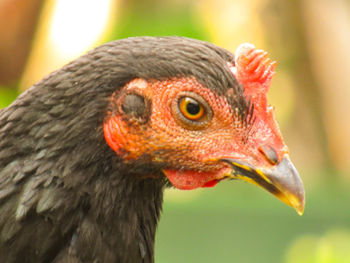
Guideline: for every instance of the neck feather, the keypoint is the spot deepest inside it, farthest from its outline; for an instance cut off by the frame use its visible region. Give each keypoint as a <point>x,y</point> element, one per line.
<point>122,219</point>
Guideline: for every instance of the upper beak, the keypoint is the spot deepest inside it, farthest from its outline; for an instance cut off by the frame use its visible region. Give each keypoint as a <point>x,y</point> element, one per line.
<point>282,181</point>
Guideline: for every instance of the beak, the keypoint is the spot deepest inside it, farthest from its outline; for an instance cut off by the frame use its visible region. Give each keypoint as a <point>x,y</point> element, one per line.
<point>282,181</point>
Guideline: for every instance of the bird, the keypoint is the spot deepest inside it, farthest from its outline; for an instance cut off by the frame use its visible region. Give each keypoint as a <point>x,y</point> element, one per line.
<point>86,152</point>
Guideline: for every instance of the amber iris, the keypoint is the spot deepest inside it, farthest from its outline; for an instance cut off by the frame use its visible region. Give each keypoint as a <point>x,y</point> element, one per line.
<point>191,109</point>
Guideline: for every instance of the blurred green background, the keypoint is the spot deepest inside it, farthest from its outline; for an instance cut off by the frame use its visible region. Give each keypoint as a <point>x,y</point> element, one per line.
<point>233,222</point>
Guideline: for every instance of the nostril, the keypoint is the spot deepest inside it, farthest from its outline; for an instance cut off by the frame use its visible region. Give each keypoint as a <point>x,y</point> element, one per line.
<point>269,153</point>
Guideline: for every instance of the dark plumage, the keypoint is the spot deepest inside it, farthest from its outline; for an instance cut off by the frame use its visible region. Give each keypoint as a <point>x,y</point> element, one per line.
<point>65,195</point>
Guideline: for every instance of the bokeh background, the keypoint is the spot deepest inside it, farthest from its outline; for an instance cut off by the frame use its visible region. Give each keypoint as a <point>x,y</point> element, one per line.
<point>233,222</point>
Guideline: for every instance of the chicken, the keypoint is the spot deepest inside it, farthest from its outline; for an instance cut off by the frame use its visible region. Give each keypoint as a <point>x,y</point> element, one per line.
<point>86,153</point>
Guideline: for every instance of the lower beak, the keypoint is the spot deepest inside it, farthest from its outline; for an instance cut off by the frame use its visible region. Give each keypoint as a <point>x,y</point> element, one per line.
<point>282,181</point>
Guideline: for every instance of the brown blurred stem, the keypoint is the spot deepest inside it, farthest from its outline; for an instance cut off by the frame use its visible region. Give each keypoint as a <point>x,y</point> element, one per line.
<point>327,25</point>
<point>18,22</point>
<point>288,37</point>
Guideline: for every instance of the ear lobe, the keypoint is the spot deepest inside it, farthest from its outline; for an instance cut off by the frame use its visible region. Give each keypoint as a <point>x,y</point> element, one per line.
<point>127,114</point>
<point>113,134</point>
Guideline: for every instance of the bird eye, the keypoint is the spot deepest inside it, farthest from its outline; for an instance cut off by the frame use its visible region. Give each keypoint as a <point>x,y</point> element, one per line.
<point>191,109</point>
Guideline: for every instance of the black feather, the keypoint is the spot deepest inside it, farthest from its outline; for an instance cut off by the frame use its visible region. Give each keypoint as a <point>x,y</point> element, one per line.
<point>65,196</point>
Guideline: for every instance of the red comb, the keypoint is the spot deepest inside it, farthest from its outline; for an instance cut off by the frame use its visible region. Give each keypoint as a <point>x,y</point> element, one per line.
<point>253,69</point>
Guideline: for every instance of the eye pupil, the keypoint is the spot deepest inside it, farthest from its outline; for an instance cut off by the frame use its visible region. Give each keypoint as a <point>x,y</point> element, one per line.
<point>193,108</point>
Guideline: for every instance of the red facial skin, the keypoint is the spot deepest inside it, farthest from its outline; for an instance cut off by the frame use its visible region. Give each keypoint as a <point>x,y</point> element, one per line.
<point>193,154</point>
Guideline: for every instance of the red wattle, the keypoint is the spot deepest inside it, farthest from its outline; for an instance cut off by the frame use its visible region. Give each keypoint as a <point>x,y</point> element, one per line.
<point>188,180</point>
<point>211,183</point>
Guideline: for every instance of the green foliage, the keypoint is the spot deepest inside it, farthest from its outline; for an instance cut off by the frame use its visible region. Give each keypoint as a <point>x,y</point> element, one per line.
<point>237,222</point>
<point>332,247</point>
<point>7,95</point>
<point>163,22</point>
